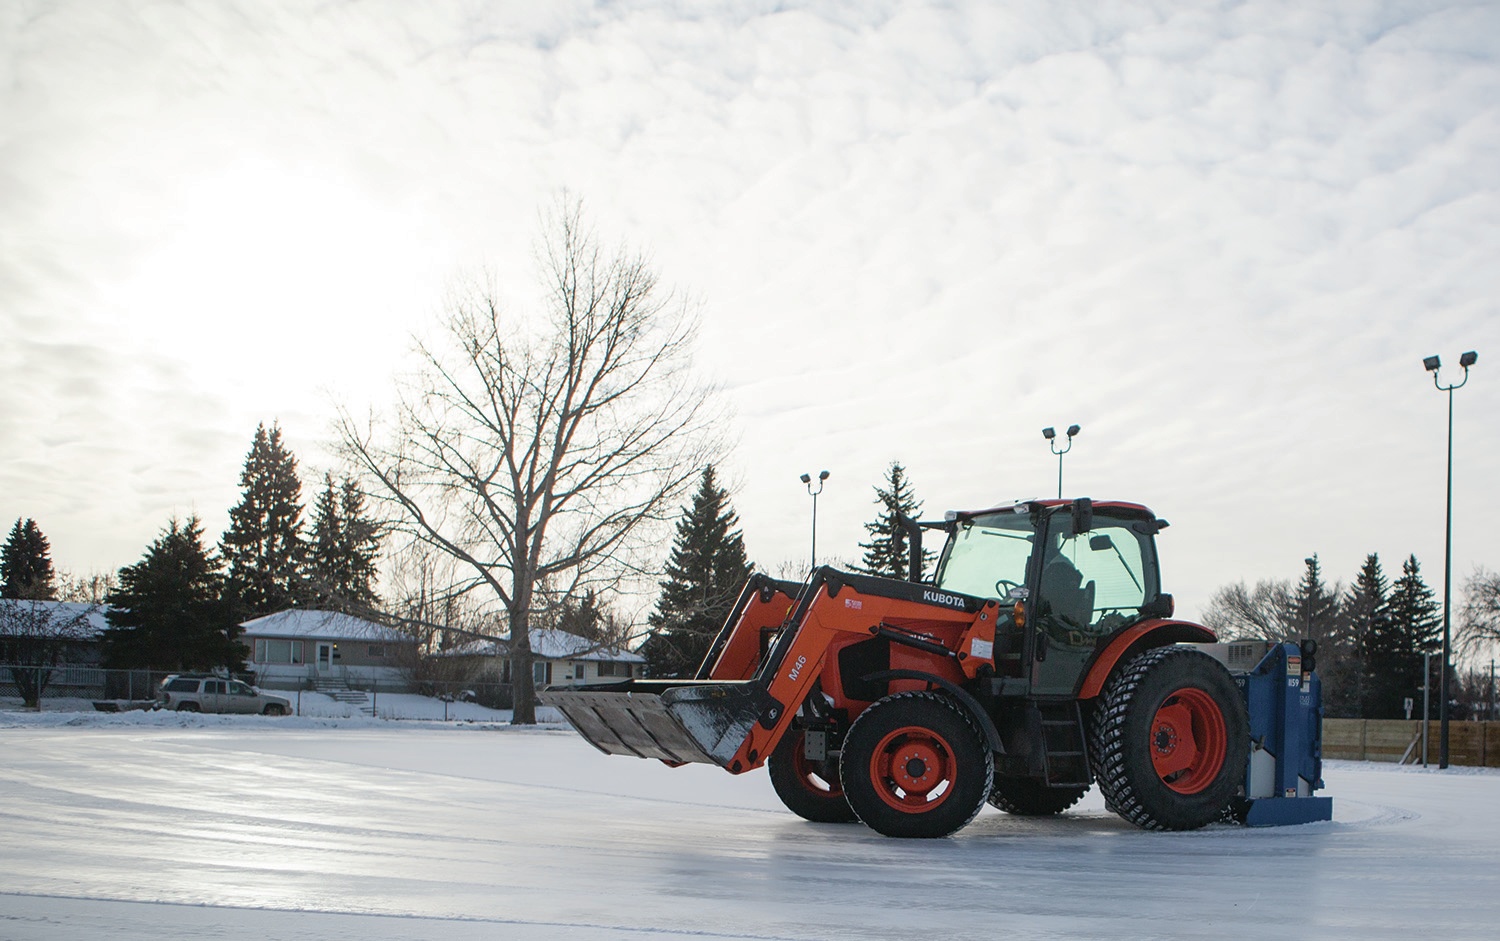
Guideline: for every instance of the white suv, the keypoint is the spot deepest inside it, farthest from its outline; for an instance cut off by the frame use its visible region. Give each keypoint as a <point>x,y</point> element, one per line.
<point>187,693</point>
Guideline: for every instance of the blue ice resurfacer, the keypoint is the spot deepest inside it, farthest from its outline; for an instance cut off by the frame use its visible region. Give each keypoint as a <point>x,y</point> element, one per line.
<point>1285,700</point>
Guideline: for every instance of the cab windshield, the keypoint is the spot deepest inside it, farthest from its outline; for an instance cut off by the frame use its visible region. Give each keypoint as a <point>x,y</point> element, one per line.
<point>986,555</point>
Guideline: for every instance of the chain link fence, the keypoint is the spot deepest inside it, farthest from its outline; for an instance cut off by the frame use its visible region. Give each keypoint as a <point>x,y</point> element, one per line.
<point>68,688</point>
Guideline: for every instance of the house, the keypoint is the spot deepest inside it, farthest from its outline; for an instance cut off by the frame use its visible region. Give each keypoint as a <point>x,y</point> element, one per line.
<point>62,637</point>
<point>298,648</point>
<point>557,657</point>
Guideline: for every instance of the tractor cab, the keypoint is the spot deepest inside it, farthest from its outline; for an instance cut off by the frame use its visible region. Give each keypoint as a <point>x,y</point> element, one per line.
<point>1068,573</point>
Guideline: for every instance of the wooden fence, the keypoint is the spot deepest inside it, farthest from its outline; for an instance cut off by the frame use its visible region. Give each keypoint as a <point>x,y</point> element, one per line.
<point>1469,743</point>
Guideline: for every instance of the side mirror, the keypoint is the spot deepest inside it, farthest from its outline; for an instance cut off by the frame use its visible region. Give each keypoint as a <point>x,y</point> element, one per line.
<point>1101,543</point>
<point>1083,515</point>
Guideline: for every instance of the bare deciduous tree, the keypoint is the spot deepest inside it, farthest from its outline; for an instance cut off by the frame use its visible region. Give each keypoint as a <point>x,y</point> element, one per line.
<point>535,452</point>
<point>1269,611</point>
<point>1479,620</point>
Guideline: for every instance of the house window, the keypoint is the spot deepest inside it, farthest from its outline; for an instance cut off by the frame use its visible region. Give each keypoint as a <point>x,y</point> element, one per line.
<point>377,650</point>
<point>541,672</point>
<point>613,668</point>
<point>278,651</point>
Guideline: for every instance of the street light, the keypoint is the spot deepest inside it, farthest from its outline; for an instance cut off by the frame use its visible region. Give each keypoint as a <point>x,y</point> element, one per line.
<point>1311,561</point>
<point>1051,435</point>
<point>1432,364</point>
<point>807,479</point>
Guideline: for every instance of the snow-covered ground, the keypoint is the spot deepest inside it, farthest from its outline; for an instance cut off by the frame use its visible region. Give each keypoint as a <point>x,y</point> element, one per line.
<point>305,704</point>
<point>165,827</point>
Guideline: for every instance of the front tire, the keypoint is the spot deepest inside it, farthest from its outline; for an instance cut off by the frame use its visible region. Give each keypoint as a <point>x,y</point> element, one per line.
<point>915,765</point>
<point>188,707</point>
<point>275,710</point>
<point>1028,797</point>
<point>1170,740</point>
<point>809,789</point>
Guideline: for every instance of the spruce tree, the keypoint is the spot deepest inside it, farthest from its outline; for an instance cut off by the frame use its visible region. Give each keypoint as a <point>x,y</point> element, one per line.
<point>1316,615</point>
<point>26,564</point>
<point>170,611</point>
<point>1365,614</point>
<point>263,546</point>
<point>342,551</point>
<point>888,553</point>
<point>1395,659</point>
<point>705,573</point>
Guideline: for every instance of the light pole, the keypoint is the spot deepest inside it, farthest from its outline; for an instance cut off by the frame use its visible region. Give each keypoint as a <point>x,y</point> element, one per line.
<point>1051,435</point>
<point>1311,562</point>
<point>1432,364</point>
<point>807,479</point>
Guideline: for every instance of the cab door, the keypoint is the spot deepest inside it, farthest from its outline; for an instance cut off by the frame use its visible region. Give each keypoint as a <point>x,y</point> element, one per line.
<point>1090,585</point>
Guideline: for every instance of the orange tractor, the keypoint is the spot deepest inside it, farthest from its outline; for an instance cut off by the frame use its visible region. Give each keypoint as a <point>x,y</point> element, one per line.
<point>1040,659</point>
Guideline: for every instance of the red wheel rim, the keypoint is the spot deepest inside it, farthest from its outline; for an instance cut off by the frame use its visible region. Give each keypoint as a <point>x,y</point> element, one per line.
<point>809,775</point>
<point>1188,740</point>
<point>912,769</point>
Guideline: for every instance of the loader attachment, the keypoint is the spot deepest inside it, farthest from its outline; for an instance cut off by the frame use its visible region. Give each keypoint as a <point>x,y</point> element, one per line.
<point>676,721</point>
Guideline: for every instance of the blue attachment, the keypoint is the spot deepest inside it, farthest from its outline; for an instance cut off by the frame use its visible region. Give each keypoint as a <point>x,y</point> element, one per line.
<point>1286,742</point>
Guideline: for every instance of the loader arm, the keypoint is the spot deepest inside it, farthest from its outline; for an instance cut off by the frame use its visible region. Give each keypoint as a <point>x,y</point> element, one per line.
<point>737,723</point>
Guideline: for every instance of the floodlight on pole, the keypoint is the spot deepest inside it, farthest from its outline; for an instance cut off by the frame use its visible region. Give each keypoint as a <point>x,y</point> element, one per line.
<point>1432,364</point>
<point>808,480</point>
<point>1050,434</point>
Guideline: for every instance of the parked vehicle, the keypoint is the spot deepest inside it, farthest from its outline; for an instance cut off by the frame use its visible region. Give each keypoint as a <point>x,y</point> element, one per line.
<point>197,692</point>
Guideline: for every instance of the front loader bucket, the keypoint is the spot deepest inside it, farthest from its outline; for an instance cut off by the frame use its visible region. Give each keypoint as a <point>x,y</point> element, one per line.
<point>672,720</point>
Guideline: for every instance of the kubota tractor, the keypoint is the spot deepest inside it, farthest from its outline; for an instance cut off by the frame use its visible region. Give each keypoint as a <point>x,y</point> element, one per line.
<point>1041,658</point>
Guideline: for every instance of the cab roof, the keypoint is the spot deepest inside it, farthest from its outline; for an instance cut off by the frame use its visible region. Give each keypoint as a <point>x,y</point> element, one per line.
<point>1027,506</point>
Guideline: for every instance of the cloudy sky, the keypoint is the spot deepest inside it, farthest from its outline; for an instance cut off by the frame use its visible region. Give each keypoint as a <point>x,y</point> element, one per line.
<point>1219,236</point>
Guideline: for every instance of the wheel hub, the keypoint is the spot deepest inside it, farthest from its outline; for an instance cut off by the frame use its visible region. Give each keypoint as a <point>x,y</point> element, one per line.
<point>915,769</point>
<point>1188,740</point>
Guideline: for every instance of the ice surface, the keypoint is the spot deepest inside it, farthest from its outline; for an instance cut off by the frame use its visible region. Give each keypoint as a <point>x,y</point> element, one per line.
<point>243,827</point>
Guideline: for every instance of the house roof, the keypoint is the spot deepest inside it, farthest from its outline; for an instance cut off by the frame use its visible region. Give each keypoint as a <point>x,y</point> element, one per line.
<point>54,617</point>
<point>304,624</point>
<point>549,645</point>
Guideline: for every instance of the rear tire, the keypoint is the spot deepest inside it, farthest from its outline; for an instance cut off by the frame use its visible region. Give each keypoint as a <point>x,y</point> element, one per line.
<point>915,765</point>
<point>809,789</point>
<point>1028,797</point>
<point>1170,740</point>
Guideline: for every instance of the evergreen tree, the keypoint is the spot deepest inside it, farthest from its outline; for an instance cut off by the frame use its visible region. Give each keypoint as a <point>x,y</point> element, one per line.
<point>1316,615</point>
<point>888,552</point>
<point>1365,613</point>
<point>263,546</point>
<point>1395,644</point>
<point>26,564</point>
<point>170,611</point>
<point>705,573</point>
<point>343,549</point>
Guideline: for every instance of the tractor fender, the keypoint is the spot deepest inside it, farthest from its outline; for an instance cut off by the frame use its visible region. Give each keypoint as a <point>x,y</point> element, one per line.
<point>976,711</point>
<point>1129,641</point>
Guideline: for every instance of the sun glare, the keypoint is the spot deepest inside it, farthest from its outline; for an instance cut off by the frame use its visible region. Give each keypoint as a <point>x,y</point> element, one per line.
<point>272,274</point>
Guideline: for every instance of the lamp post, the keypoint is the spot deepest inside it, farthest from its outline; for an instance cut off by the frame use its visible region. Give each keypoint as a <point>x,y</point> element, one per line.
<point>1051,435</point>
<point>1432,364</point>
<point>1311,562</point>
<point>807,479</point>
